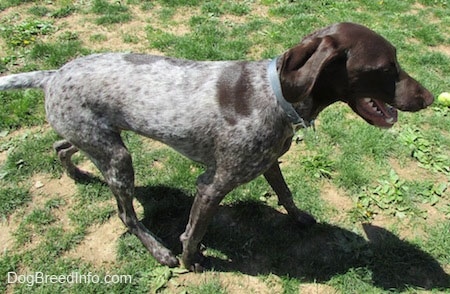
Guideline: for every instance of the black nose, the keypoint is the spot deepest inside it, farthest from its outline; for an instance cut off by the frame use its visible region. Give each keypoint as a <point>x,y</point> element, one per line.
<point>427,99</point>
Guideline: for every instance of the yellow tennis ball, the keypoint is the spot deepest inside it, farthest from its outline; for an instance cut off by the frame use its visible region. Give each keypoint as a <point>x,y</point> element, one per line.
<point>444,98</point>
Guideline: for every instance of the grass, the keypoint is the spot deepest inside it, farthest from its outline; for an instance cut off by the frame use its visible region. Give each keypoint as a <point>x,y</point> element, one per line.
<point>110,13</point>
<point>25,33</point>
<point>23,163</point>
<point>381,196</point>
<point>21,109</point>
<point>11,198</point>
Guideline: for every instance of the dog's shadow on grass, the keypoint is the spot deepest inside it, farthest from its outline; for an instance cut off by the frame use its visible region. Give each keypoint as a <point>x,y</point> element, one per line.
<point>254,239</point>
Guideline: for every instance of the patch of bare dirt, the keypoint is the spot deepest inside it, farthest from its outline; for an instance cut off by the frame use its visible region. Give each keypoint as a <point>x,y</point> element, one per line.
<point>26,131</point>
<point>3,157</point>
<point>43,189</point>
<point>233,283</point>
<point>6,237</point>
<point>260,10</point>
<point>433,215</point>
<point>151,144</point>
<point>338,199</point>
<point>99,245</point>
<point>383,221</point>
<point>445,49</point>
<point>417,8</point>
<point>112,35</point>
<point>408,170</point>
<point>411,171</point>
<point>317,289</point>
<point>410,228</point>
<point>182,17</point>
<point>84,26</point>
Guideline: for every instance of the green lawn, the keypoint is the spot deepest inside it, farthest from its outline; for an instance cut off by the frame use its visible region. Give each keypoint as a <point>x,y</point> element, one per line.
<point>381,196</point>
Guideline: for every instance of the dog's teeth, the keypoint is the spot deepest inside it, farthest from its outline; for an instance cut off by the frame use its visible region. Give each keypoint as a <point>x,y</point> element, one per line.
<point>374,107</point>
<point>390,120</point>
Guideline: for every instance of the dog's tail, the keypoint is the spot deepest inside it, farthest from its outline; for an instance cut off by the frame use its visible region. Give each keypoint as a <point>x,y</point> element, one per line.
<point>34,79</point>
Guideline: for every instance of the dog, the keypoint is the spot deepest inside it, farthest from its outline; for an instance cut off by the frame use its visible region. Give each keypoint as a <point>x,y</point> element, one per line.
<point>235,117</point>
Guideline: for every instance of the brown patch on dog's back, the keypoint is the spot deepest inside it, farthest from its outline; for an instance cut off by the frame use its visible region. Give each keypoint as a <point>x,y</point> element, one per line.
<point>233,89</point>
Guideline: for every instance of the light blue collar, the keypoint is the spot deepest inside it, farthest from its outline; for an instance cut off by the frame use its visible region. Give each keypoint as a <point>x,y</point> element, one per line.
<point>274,79</point>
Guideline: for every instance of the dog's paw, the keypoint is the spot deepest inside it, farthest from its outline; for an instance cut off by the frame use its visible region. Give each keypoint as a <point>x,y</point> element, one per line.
<point>167,258</point>
<point>196,268</point>
<point>81,176</point>
<point>197,264</point>
<point>171,261</point>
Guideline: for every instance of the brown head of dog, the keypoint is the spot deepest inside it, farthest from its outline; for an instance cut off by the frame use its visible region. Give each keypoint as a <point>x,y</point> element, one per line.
<point>350,63</point>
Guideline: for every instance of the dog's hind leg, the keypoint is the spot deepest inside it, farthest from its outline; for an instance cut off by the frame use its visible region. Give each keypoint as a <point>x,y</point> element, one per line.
<point>114,161</point>
<point>64,149</point>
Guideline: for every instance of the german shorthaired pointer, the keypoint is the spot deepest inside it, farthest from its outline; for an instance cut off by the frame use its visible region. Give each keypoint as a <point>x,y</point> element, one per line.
<point>235,117</point>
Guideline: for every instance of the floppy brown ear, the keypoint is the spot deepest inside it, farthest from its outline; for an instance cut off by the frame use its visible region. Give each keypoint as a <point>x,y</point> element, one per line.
<point>302,65</point>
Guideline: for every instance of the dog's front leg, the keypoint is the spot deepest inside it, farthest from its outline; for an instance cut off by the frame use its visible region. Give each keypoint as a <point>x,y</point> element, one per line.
<point>275,179</point>
<point>210,191</point>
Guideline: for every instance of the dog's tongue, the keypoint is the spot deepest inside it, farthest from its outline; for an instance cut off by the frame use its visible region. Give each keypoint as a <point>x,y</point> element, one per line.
<point>388,111</point>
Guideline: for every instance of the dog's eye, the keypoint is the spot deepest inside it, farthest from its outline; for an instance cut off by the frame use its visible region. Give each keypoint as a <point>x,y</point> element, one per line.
<point>396,69</point>
<point>391,69</point>
<point>394,66</point>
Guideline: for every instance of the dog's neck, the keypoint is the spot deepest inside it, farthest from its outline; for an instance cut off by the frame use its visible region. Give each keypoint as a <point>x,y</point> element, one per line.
<point>288,108</point>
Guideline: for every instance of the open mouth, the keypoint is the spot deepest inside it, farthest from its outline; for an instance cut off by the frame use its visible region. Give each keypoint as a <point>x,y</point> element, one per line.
<point>376,112</point>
